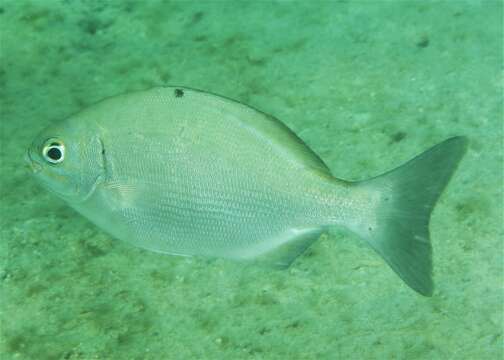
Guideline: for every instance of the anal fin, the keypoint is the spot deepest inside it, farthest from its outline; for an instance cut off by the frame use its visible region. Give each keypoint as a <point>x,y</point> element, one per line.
<point>284,255</point>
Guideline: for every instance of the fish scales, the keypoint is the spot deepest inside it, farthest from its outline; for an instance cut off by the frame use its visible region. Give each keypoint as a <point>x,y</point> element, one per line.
<point>187,172</point>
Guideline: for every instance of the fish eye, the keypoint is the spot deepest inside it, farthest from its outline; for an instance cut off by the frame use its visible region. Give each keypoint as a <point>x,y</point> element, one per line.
<point>54,151</point>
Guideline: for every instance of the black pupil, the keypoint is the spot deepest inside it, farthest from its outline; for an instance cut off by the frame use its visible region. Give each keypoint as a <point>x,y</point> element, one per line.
<point>54,153</point>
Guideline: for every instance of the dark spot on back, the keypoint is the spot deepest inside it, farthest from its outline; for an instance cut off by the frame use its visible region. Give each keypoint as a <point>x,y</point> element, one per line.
<point>179,92</point>
<point>466,209</point>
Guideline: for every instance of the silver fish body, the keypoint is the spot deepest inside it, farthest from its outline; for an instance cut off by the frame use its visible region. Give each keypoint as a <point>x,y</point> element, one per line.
<point>186,172</point>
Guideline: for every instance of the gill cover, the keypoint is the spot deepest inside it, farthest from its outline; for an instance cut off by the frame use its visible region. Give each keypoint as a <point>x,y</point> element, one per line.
<point>68,161</point>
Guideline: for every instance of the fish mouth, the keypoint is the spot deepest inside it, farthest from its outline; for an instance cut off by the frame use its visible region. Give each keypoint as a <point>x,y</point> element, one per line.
<point>34,166</point>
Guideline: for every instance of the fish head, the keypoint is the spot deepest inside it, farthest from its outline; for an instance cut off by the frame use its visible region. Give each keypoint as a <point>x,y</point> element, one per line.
<point>67,159</point>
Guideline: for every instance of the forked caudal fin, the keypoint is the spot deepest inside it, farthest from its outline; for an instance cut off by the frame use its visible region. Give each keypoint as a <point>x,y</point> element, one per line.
<point>399,228</point>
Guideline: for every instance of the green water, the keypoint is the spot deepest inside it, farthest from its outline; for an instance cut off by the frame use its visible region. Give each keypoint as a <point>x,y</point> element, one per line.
<point>366,84</point>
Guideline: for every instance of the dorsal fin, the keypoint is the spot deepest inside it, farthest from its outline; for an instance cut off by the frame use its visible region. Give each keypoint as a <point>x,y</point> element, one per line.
<point>267,127</point>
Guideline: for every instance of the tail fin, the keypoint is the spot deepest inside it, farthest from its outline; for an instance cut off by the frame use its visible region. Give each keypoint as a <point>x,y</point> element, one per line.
<point>407,195</point>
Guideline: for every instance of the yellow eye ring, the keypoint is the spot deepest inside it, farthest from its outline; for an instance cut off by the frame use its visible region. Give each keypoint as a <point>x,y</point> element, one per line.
<point>53,151</point>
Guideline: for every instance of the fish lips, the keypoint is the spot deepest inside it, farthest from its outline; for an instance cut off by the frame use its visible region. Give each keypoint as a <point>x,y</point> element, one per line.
<point>34,166</point>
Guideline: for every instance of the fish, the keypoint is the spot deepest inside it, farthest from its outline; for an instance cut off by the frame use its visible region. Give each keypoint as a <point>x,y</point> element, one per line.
<point>186,172</point>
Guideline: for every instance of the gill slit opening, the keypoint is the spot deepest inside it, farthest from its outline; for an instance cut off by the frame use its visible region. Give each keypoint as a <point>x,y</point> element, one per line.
<point>101,177</point>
